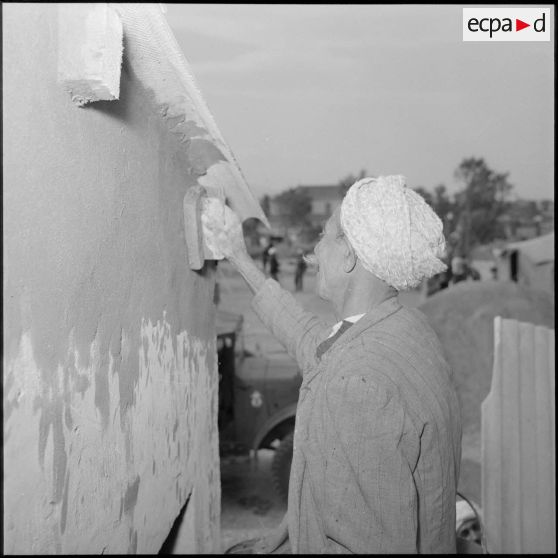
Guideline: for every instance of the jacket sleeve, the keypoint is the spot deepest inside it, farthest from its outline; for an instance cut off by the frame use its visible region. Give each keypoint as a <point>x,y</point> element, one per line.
<point>298,330</point>
<point>371,497</point>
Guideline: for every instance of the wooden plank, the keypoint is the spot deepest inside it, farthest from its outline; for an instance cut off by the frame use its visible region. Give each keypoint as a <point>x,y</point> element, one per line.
<point>510,442</point>
<point>527,423</point>
<point>491,432</point>
<point>518,457</point>
<point>545,436</point>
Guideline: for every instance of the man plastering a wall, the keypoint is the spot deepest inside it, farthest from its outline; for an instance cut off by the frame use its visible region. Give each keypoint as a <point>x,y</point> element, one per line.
<point>377,442</point>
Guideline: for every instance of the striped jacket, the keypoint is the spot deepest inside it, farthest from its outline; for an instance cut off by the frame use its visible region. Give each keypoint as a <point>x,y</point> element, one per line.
<point>377,442</point>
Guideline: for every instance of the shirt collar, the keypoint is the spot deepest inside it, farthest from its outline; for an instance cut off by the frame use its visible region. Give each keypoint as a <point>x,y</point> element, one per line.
<point>352,319</point>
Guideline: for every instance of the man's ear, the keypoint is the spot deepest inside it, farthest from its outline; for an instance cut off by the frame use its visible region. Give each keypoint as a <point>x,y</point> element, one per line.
<point>350,258</point>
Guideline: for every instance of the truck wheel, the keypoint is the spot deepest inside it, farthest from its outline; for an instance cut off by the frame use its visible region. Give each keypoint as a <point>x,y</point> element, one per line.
<point>281,466</point>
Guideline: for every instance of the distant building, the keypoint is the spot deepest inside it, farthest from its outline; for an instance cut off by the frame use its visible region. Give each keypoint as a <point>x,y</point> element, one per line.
<point>546,213</point>
<point>526,231</point>
<point>529,263</point>
<point>277,229</point>
<point>324,199</point>
<point>526,219</point>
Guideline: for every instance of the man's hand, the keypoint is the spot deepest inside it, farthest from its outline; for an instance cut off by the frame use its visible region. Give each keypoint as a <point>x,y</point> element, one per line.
<point>224,237</point>
<point>222,230</point>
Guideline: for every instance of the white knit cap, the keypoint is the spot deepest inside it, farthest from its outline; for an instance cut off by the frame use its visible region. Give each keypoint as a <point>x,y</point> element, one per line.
<point>394,232</point>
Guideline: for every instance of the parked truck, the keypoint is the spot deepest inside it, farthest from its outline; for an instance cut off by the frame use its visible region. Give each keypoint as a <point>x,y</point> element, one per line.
<point>258,395</point>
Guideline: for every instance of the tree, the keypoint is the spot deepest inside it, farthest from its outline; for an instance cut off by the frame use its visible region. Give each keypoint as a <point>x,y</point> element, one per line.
<point>251,230</point>
<point>428,197</point>
<point>294,207</point>
<point>444,207</point>
<point>265,203</point>
<point>480,204</point>
<point>441,203</point>
<point>349,180</point>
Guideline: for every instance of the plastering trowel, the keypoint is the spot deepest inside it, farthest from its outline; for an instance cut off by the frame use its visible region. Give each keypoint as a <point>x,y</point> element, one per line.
<point>204,201</point>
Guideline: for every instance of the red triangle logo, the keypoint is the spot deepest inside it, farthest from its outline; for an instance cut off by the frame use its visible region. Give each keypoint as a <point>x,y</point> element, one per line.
<point>519,25</point>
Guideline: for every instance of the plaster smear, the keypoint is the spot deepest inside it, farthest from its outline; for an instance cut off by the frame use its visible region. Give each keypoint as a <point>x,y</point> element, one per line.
<point>78,487</point>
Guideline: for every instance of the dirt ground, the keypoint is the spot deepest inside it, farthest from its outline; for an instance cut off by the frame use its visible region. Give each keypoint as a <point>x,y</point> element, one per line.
<point>249,504</point>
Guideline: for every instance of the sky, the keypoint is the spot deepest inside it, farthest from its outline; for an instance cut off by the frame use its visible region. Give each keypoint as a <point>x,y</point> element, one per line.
<point>308,94</point>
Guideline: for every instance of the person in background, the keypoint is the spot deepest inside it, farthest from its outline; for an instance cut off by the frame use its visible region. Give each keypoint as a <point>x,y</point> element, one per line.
<point>265,255</point>
<point>458,269</point>
<point>377,442</point>
<point>472,272</point>
<point>462,270</point>
<point>299,270</point>
<point>273,263</point>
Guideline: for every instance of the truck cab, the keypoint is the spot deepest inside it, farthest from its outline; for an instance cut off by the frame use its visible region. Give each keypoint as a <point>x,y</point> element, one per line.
<point>258,394</point>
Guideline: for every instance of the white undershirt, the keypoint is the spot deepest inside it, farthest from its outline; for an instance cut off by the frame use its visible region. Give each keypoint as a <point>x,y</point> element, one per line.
<point>352,319</point>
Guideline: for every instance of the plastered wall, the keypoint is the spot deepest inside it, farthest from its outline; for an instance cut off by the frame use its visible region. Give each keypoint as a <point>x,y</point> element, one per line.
<point>109,365</point>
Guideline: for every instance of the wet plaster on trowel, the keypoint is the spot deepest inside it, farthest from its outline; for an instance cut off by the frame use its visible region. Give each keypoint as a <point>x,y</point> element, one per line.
<point>109,351</point>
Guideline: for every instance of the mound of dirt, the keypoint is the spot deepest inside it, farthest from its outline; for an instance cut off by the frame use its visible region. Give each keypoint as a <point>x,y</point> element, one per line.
<point>463,318</point>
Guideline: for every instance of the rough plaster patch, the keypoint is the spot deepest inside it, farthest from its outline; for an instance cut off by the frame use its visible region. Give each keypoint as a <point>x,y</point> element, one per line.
<point>89,51</point>
<point>88,495</point>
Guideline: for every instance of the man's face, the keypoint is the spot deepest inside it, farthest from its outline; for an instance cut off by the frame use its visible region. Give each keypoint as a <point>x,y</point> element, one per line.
<point>330,250</point>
